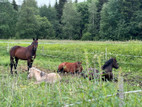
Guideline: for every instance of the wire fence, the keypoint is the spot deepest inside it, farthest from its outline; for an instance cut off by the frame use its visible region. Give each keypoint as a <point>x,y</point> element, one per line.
<point>90,100</point>
<point>106,54</point>
<point>94,52</point>
<point>77,55</point>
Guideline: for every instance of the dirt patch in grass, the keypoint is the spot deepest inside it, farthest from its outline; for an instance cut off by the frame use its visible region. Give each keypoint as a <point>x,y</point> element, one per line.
<point>133,78</point>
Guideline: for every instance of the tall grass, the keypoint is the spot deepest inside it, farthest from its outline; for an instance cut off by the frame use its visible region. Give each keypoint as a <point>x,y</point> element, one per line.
<point>17,91</point>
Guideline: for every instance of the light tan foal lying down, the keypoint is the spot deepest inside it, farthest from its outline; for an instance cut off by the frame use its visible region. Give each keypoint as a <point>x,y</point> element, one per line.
<point>41,76</point>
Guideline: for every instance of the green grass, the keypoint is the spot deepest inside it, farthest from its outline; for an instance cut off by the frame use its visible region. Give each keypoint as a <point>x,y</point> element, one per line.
<point>17,91</point>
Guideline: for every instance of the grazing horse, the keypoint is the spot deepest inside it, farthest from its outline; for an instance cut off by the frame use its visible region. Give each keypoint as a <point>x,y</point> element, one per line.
<point>107,74</point>
<point>41,76</point>
<point>68,67</point>
<point>23,53</point>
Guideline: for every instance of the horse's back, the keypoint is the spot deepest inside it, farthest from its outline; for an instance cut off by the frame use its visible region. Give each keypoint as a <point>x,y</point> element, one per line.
<point>53,77</point>
<point>19,52</point>
<point>13,50</point>
<point>70,67</point>
<point>61,65</point>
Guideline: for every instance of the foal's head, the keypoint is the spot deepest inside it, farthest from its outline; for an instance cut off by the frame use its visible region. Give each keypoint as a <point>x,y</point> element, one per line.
<point>115,64</point>
<point>35,43</point>
<point>34,72</point>
<point>110,63</point>
<point>31,72</point>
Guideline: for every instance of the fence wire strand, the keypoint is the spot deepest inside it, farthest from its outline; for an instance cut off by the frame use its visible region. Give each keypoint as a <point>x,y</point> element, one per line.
<point>90,100</point>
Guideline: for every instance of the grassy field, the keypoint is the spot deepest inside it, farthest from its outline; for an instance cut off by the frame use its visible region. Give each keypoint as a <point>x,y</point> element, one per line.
<point>18,91</point>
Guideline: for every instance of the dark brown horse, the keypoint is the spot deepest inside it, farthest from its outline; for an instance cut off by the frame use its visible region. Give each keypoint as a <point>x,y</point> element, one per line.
<point>107,67</point>
<point>107,74</point>
<point>70,67</point>
<point>23,53</point>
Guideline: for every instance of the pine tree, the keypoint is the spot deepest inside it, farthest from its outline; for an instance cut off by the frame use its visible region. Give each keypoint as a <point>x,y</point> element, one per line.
<point>76,1</point>
<point>60,9</point>
<point>56,5</point>
<point>99,8</point>
<point>15,6</point>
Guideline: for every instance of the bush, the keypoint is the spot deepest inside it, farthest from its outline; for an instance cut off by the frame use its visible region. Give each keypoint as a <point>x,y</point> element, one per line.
<point>86,36</point>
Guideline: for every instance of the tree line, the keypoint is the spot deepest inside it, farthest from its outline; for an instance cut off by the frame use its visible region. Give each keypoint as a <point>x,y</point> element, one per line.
<point>88,20</point>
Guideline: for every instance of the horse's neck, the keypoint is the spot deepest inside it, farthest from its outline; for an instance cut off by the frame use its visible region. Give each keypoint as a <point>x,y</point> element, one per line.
<point>109,68</point>
<point>30,47</point>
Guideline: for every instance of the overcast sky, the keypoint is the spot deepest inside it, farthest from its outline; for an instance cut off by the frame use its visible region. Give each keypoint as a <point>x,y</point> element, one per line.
<point>42,2</point>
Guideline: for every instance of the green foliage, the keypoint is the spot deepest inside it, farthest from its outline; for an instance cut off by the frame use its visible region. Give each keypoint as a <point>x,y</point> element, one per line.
<point>15,6</point>
<point>17,90</point>
<point>27,24</point>
<point>93,20</point>
<point>8,19</point>
<point>45,30</point>
<point>51,14</point>
<point>82,8</point>
<point>86,36</point>
<point>103,19</point>
<point>59,9</point>
<point>70,20</point>
<point>117,20</point>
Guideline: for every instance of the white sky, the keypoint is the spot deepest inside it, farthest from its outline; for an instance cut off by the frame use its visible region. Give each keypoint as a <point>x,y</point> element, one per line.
<point>42,2</point>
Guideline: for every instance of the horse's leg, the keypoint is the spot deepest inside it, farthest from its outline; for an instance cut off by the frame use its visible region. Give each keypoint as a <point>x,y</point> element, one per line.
<point>29,63</point>
<point>15,65</point>
<point>11,64</point>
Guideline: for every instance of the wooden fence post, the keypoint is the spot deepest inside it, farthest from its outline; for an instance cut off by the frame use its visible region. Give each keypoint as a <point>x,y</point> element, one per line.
<point>121,91</point>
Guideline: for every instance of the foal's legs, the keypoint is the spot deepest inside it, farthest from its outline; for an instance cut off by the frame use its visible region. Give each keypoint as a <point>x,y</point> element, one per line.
<point>11,64</point>
<point>15,65</point>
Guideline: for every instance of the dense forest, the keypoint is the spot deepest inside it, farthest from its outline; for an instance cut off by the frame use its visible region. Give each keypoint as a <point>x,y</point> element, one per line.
<point>88,20</point>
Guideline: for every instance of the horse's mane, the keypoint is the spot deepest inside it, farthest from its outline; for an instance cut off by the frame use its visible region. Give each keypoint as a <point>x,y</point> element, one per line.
<point>107,63</point>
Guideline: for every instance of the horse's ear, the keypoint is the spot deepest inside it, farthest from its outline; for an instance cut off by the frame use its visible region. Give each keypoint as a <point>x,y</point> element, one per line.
<point>33,39</point>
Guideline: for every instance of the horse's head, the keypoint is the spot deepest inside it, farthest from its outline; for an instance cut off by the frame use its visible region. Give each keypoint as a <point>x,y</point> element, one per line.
<point>35,73</point>
<point>79,66</point>
<point>115,64</point>
<point>111,63</point>
<point>31,73</point>
<point>35,43</point>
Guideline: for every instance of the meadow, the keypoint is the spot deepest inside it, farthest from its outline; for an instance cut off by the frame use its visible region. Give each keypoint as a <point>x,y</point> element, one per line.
<point>18,91</point>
